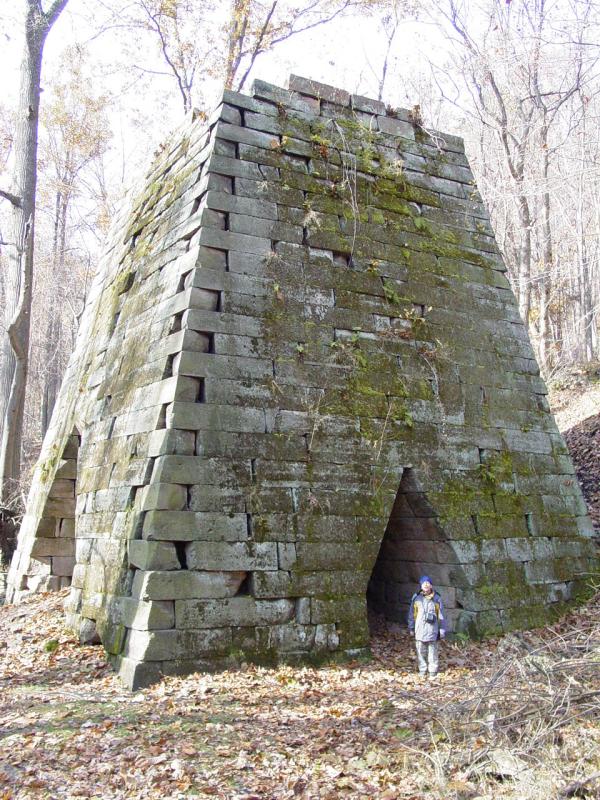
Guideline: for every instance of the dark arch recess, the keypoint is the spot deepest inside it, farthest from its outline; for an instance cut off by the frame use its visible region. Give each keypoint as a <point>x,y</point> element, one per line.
<point>413,545</point>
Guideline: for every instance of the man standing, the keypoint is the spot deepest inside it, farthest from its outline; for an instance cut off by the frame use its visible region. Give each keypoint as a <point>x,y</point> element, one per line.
<point>426,622</point>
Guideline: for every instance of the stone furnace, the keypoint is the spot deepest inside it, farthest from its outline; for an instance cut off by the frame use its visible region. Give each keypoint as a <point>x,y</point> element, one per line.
<point>300,381</point>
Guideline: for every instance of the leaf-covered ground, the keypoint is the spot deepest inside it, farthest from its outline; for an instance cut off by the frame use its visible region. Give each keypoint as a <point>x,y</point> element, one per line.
<point>517,717</point>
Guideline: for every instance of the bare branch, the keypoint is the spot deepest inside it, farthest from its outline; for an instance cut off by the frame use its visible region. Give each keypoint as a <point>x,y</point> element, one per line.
<point>258,45</point>
<point>183,89</point>
<point>54,12</point>
<point>12,198</point>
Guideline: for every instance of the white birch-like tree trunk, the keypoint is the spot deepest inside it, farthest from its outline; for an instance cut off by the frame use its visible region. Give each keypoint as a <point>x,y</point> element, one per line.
<point>14,349</point>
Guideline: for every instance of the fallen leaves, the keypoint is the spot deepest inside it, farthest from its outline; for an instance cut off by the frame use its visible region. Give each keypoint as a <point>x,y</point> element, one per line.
<point>353,731</point>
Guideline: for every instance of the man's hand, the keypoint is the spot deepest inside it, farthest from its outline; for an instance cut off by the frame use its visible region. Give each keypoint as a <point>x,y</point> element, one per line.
<point>442,634</point>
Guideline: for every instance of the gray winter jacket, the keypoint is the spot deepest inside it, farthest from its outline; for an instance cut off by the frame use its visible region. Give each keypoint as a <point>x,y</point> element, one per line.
<point>420,608</point>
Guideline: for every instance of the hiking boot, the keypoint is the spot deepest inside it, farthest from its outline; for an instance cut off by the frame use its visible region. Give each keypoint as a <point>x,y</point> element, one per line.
<point>433,676</point>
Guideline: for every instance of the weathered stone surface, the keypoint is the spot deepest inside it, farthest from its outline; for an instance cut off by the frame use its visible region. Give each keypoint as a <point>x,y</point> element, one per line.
<point>162,496</point>
<point>232,555</point>
<point>185,526</point>
<point>186,584</point>
<point>220,613</point>
<point>52,547</point>
<point>146,555</point>
<point>137,674</point>
<point>321,91</point>
<point>147,615</point>
<point>173,644</point>
<point>301,381</point>
<point>88,633</point>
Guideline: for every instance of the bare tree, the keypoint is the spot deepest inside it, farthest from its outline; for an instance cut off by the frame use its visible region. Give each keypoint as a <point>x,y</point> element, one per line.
<point>256,27</point>
<point>206,42</point>
<point>75,136</point>
<point>521,69</point>
<point>19,273</point>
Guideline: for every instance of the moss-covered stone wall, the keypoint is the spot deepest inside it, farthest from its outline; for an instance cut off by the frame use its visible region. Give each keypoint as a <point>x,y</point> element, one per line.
<point>302,339</point>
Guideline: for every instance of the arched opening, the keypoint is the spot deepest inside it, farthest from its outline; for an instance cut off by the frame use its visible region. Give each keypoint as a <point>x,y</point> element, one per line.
<point>53,552</point>
<point>413,545</point>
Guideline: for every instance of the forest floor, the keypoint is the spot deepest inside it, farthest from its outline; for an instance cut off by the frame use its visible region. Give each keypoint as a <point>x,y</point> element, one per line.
<point>514,717</point>
<point>575,401</point>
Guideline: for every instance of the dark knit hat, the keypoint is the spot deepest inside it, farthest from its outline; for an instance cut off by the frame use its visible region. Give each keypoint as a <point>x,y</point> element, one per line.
<point>425,579</point>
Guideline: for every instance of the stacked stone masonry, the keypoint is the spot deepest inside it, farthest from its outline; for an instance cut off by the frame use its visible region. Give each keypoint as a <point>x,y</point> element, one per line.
<point>301,380</point>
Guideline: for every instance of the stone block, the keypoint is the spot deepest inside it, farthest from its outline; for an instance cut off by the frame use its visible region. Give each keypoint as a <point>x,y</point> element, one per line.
<point>328,556</point>
<point>73,602</point>
<point>186,584</point>
<point>567,547</point>
<point>162,496</point>
<point>167,442</point>
<point>235,133</point>
<point>321,91</point>
<point>88,633</point>
<point>585,527</point>
<point>137,674</point>
<point>67,469</point>
<point>191,469</point>
<point>147,615</point>
<point>250,206</point>
<point>198,416</point>
<point>60,507</point>
<point>252,642</point>
<point>62,488</point>
<point>303,610</point>
<point>52,547</point>
<point>493,550</point>
<point>142,421</point>
<point>274,94</point>
<point>279,231</point>
<point>286,555</point>
<point>78,576</point>
<point>225,240</point>
<point>66,529</point>
<point>270,584</point>
<point>368,105</point>
<point>211,499</point>
<point>117,499</point>
<point>261,556</point>
<point>549,570</point>
<point>212,258</point>
<point>63,565</point>
<point>185,526</point>
<point>47,528</point>
<point>151,556</point>
<point>326,638</point>
<point>237,611</point>
<point>396,127</point>
<point>529,548</point>
<point>337,610</point>
<point>292,637</point>
<point>166,645</point>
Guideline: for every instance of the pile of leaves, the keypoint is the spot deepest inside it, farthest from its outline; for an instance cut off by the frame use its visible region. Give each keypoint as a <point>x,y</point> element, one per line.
<point>512,717</point>
<point>583,441</point>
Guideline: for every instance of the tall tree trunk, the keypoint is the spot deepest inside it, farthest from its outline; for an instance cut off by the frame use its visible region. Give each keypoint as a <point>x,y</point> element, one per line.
<point>524,292</point>
<point>53,371</point>
<point>545,284</point>
<point>19,273</point>
<point>238,23</point>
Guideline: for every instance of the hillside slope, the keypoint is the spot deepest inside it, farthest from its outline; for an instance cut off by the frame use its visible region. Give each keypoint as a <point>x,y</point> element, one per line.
<point>575,401</point>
